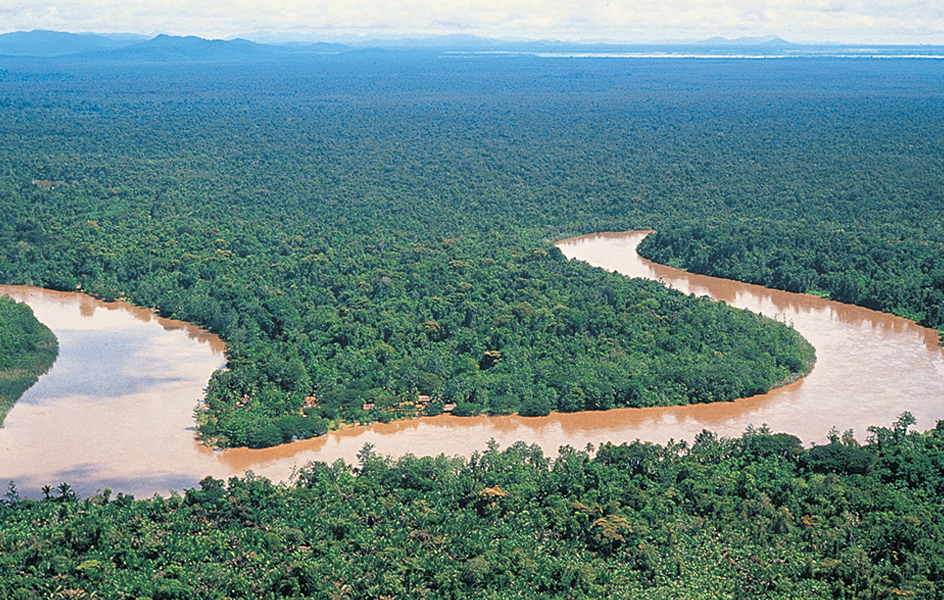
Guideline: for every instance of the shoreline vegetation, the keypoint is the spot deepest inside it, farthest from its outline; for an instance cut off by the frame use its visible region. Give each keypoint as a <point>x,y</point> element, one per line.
<point>424,405</point>
<point>27,350</point>
<point>757,515</point>
<point>866,267</point>
<point>368,228</point>
<point>766,354</point>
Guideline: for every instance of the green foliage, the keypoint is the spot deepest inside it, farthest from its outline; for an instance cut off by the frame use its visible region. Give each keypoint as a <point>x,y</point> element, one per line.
<point>27,350</point>
<point>365,235</point>
<point>895,271</point>
<point>762,517</point>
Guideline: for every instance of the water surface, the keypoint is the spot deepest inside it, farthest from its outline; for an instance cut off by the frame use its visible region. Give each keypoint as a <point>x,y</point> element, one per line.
<point>116,408</point>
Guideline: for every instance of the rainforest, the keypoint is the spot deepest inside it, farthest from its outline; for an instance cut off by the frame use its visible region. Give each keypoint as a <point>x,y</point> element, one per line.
<point>372,234</point>
<point>27,350</point>
<point>367,229</point>
<point>753,516</point>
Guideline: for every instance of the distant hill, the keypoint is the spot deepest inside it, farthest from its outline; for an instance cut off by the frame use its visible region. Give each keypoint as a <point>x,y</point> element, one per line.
<point>479,44</point>
<point>169,47</point>
<point>161,48</point>
<point>321,47</point>
<point>56,43</point>
<point>767,40</point>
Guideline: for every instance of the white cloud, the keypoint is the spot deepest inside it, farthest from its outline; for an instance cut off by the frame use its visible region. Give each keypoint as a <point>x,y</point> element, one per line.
<point>866,21</point>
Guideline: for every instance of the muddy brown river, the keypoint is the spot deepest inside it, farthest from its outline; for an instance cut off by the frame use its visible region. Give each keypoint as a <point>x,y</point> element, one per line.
<point>116,408</point>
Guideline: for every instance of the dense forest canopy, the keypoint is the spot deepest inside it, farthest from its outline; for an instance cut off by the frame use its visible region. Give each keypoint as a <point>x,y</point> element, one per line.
<point>369,227</point>
<point>27,350</point>
<point>867,265</point>
<point>754,516</point>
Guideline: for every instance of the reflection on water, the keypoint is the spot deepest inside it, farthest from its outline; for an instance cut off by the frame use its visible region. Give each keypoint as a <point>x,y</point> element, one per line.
<point>115,410</point>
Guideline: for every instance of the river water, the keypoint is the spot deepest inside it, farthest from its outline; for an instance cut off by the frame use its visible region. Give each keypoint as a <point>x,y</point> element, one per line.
<point>116,408</point>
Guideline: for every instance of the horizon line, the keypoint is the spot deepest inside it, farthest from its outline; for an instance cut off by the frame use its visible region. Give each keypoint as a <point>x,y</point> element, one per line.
<point>283,37</point>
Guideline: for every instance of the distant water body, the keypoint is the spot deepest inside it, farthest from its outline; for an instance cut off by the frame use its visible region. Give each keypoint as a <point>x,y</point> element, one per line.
<point>900,53</point>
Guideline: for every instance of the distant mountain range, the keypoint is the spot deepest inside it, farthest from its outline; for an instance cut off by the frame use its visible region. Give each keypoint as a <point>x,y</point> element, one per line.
<point>163,47</point>
<point>168,48</point>
<point>191,47</point>
<point>57,43</point>
<point>767,40</point>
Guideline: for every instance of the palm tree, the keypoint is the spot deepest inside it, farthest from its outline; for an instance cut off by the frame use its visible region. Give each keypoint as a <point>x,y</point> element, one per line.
<point>66,494</point>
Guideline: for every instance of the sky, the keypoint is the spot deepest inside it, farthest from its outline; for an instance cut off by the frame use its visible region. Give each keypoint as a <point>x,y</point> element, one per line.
<point>839,21</point>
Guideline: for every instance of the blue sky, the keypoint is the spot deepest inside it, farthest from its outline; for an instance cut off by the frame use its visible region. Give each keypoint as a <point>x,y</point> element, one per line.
<point>844,21</point>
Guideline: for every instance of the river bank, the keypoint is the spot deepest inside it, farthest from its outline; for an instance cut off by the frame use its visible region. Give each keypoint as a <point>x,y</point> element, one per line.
<point>27,350</point>
<point>87,425</point>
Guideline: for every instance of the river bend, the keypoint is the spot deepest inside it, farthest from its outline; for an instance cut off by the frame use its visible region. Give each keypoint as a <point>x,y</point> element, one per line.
<point>116,408</point>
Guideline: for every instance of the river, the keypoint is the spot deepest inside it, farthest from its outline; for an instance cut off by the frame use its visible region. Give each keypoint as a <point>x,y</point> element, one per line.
<point>116,408</point>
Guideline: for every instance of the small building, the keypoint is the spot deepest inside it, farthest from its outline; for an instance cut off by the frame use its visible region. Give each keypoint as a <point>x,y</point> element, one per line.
<point>422,399</point>
<point>449,407</point>
<point>368,405</point>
